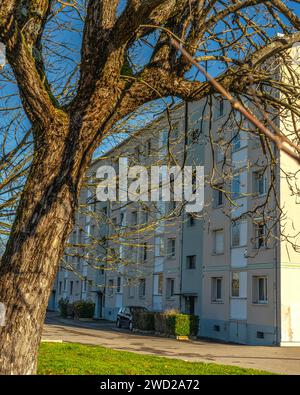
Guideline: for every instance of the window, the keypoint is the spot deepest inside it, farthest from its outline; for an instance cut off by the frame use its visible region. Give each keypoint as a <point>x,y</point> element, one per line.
<point>60,287</point>
<point>260,289</point>
<point>235,234</point>
<point>65,285</point>
<point>110,290</point>
<point>161,246</point>
<point>235,285</point>
<point>260,183</point>
<point>145,216</point>
<point>195,133</point>
<point>191,262</point>
<point>236,142</point>
<point>171,247</point>
<point>190,304</point>
<point>145,251</point>
<point>71,287</point>
<point>170,287</point>
<point>122,219</point>
<point>130,288</point>
<point>219,241</point>
<point>191,219</point>
<point>218,196</point>
<point>235,186</point>
<point>134,217</point>
<point>142,287</point>
<point>260,235</point>
<point>90,285</point>
<point>148,147</point>
<point>220,107</point>
<point>216,283</point>
<point>118,284</point>
<point>160,283</point>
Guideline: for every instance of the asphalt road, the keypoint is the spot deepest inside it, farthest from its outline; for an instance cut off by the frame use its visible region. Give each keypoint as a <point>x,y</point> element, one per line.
<point>284,360</point>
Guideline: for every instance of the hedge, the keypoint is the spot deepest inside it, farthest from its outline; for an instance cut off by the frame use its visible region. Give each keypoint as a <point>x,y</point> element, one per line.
<point>83,309</point>
<point>169,324</point>
<point>143,320</point>
<point>79,309</point>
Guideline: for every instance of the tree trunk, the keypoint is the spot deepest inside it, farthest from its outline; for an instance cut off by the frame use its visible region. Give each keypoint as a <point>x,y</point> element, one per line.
<point>43,222</point>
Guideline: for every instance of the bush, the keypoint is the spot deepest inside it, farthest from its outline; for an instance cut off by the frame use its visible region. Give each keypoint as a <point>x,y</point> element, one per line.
<point>143,320</point>
<point>84,309</point>
<point>63,307</point>
<point>176,324</point>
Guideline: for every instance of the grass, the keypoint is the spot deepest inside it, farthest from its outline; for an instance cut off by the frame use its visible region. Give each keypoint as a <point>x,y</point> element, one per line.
<point>73,358</point>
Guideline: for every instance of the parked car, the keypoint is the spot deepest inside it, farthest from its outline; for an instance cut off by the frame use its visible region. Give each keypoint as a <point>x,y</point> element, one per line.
<point>125,316</point>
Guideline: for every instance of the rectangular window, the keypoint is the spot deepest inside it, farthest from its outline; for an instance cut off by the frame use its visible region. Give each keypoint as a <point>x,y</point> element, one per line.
<point>235,285</point>
<point>60,287</point>
<point>260,235</point>
<point>134,218</point>
<point>260,183</point>
<point>218,196</point>
<point>148,147</point>
<point>220,107</point>
<point>219,241</point>
<point>142,287</point>
<point>160,284</point>
<point>145,251</point>
<point>236,142</point>
<point>216,284</point>
<point>191,262</point>
<point>90,285</point>
<point>71,287</point>
<point>65,285</point>
<point>171,247</point>
<point>110,288</point>
<point>235,186</point>
<point>122,219</point>
<point>170,287</point>
<point>260,289</point>
<point>130,288</point>
<point>160,246</point>
<point>235,234</point>
<point>119,284</point>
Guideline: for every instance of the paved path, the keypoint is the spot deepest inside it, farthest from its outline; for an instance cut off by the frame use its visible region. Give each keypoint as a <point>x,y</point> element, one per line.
<point>274,359</point>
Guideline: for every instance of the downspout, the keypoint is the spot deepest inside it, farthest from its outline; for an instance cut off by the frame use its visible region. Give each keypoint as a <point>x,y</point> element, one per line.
<point>186,126</point>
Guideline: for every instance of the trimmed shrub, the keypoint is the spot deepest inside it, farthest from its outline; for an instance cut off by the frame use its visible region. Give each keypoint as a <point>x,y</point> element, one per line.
<point>160,323</point>
<point>84,309</point>
<point>143,320</point>
<point>172,324</point>
<point>63,307</point>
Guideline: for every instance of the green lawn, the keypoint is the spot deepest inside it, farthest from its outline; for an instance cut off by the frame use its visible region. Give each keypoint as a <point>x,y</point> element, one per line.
<point>73,358</point>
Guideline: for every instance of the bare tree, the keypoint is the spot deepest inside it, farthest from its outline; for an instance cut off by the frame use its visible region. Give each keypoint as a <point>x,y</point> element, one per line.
<point>68,126</point>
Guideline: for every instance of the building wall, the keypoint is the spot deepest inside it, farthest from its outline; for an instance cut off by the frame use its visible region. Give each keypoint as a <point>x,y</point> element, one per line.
<point>265,309</point>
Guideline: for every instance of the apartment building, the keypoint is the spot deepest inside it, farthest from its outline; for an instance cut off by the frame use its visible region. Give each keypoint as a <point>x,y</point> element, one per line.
<point>233,264</point>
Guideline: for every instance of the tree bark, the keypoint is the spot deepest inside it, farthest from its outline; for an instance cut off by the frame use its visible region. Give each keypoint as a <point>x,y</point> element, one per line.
<point>43,222</point>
